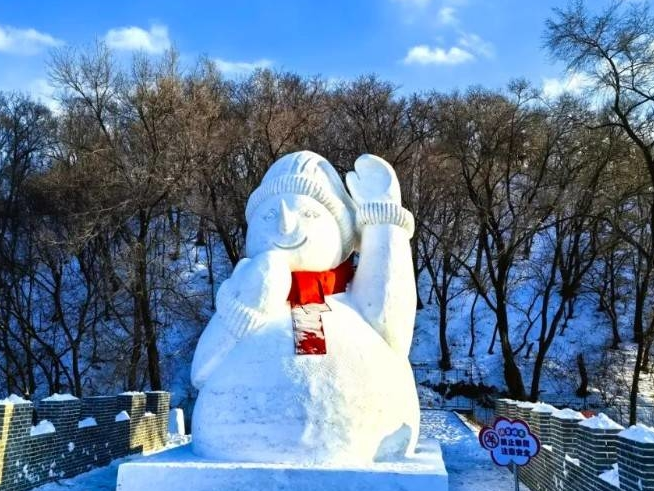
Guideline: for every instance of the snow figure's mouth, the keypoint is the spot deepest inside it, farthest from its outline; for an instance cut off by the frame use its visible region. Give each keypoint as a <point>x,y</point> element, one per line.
<point>291,245</point>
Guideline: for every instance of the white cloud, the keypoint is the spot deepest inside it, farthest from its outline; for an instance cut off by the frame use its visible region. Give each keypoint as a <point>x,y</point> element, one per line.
<point>477,45</point>
<point>25,41</point>
<point>135,38</point>
<point>43,92</point>
<point>573,83</point>
<point>424,55</point>
<point>447,16</point>
<point>468,48</point>
<point>240,67</point>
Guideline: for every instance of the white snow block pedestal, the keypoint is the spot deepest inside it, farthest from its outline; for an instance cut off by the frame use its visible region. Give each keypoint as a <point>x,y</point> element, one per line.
<point>179,469</point>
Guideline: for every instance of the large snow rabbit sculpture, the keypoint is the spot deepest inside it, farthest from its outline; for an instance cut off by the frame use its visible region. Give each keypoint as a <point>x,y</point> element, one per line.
<point>304,361</point>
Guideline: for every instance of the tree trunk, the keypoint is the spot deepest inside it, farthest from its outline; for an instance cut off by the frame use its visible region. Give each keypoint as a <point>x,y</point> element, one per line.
<point>416,272</point>
<point>143,299</point>
<point>582,391</point>
<point>535,378</point>
<point>442,295</point>
<point>633,393</point>
<point>640,339</point>
<point>174,219</point>
<point>480,250</point>
<point>445,362</point>
<point>200,236</point>
<point>512,374</point>
<point>646,354</point>
<point>491,346</point>
<point>137,344</point>
<point>471,350</point>
<point>77,378</point>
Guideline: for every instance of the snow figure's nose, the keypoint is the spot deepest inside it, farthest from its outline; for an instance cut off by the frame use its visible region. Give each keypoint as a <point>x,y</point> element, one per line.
<point>287,219</point>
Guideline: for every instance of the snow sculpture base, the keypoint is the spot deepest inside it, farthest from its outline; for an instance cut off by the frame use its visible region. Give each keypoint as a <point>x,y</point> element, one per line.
<point>180,469</point>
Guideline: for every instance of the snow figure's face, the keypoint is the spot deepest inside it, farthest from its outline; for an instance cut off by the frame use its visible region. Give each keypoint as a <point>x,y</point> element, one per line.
<point>300,227</point>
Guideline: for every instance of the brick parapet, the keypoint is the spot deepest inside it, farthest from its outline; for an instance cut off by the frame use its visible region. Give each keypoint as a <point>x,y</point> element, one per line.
<point>573,456</point>
<point>635,464</point>
<point>78,443</point>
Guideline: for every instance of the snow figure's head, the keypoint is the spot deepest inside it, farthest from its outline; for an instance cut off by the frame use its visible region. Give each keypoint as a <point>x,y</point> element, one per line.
<point>302,209</point>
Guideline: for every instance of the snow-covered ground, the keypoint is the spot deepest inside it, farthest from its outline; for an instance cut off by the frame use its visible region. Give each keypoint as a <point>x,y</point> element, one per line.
<point>103,478</point>
<point>469,466</point>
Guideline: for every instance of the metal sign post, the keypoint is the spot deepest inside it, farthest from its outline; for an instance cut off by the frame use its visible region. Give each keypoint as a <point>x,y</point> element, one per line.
<point>510,443</point>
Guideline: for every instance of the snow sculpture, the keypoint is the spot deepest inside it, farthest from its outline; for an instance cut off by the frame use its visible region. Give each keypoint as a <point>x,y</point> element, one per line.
<point>305,361</point>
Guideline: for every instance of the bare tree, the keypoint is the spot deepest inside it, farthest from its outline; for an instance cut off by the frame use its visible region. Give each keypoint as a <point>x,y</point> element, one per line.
<point>613,49</point>
<point>142,148</point>
<point>503,162</point>
<point>26,137</point>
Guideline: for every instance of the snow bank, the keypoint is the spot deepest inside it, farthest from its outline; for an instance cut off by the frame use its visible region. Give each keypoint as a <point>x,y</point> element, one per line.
<point>87,423</point>
<point>13,399</point>
<point>122,416</point>
<point>601,422</point>
<point>526,405</point>
<point>638,433</point>
<point>60,397</point>
<point>611,476</point>
<point>131,393</point>
<point>567,413</point>
<point>43,428</point>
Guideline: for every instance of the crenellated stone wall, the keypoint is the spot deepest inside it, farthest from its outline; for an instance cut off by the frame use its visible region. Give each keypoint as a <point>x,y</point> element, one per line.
<point>77,435</point>
<point>579,454</point>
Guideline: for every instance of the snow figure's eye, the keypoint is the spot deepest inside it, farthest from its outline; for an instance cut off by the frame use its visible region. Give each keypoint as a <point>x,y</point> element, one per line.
<point>310,214</point>
<point>271,214</point>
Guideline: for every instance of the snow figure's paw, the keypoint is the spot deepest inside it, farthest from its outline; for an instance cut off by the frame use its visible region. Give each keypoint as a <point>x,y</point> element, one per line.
<point>263,282</point>
<point>373,179</point>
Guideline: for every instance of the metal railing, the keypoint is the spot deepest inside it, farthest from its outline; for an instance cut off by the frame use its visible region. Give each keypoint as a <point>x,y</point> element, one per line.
<point>437,388</point>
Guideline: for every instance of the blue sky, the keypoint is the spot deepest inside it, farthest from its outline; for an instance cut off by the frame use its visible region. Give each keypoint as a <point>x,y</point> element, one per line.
<point>416,44</point>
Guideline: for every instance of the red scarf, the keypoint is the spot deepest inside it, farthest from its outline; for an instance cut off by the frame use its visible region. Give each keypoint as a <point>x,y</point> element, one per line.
<point>314,286</point>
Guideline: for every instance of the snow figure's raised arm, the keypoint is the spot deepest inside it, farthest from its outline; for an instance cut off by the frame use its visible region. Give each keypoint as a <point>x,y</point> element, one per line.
<point>383,287</point>
<point>257,290</point>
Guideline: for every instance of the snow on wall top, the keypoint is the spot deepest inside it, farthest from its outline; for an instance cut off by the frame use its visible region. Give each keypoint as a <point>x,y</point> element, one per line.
<point>122,416</point>
<point>638,433</point>
<point>601,422</point>
<point>567,413</point>
<point>13,399</point>
<point>611,476</point>
<point>87,423</point>
<point>176,422</point>
<point>526,405</point>
<point>541,407</point>
<point>131,393</point>
<point>44,427</point>
<point>60,397</point>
